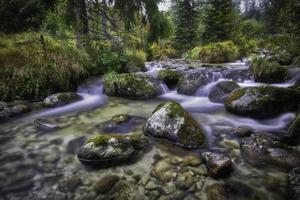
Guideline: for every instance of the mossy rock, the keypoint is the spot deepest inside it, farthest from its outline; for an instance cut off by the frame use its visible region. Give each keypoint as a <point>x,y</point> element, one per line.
<point>262,102</point>
<point>190,83</point>
<point>172,123</point>
<point>61,99</point>
<point>267,71</point>
<point>221,90</point>
<point>111,149</point>
<point>131,86</point>
<point>170,77</point>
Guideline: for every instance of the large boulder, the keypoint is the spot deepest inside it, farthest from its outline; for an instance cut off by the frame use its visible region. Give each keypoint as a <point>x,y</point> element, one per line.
<point>221,90</point>
<point>171,122</point>
<point>106,150</point>
<point>190,83</point>
<point>262,102</point>
<point>131,86</point>
<point>260,150</point>
<point>61,99</point>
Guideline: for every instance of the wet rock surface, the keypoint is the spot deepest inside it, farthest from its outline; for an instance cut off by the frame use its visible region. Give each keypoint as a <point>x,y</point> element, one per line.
<point>171,122</point>
<point>218,164</point>
<point>262,102</point>
<point>61,99</point>
<point>190,83</point>
<point>294,184</point>
<point>221,90</point>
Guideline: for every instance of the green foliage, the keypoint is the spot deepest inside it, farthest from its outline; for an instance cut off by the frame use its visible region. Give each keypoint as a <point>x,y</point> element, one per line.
<point>220,21</point>
<point>186,25</point>
<point>110,81</point>
<point>220,52</point>
<point>32,67</point>
<point>21,15</point>
<point>267,71</point>
<point>161,50</point>
<point>135,58</point>
<point>250,32</point>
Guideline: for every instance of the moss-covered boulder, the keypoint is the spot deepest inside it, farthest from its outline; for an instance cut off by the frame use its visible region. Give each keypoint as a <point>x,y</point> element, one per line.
<point>267,71</point>
<point>190,83</point>
<point>221,90</point>
<point>172,123</point>
<point>105,150</point>
<point>61,99</point>
<point>131,86</point>
<point>170,77</point>
<point>262,102</point>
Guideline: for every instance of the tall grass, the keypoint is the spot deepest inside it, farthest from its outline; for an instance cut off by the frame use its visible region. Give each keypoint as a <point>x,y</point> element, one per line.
<point>162,50</point>
<point>220,52</point>
<point>135,57</point>
<point>267,71</point>
<point>33,67</point>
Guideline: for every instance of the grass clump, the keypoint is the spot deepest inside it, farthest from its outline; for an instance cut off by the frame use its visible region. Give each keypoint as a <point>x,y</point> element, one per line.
<point>161,50</point>
<point>135,58</point>
<point>220,52</point>
<point>267,71</point>
<point>111,80</point>
<point>34,66</point>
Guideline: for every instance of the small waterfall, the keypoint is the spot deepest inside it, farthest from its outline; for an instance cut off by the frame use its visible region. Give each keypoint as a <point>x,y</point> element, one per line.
<point>204,91</point>
<point>164,88</point>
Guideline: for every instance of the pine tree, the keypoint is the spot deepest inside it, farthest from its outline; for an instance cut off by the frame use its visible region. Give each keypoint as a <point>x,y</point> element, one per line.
<point>220,21</point>
<point>186,24</point>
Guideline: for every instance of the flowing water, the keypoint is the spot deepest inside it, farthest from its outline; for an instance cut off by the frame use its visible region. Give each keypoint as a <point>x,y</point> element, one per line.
<point>37,164</point>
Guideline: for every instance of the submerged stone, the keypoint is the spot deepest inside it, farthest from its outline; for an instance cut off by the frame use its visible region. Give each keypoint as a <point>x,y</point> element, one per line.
<point>45,125</point>
<point>61,99</point>
<point>13,109</point>
<point>190,83</point>
<point>132,86</point>
<point>242,131</point>
<point>221,90</point>
<point>122,123</point>
<point>106,183</point>
<point>171,122</point>
<point>218,164</point>
<point>262,102</point>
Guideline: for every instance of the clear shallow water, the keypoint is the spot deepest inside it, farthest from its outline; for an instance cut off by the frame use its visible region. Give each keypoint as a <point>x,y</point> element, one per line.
<point>42,162</point>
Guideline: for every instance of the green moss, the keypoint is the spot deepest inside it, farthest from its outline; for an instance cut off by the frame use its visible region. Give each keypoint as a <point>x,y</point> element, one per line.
<point>165,75</point>
<point>118,119</point>
<point>267,71</point>
<point>99,140</point>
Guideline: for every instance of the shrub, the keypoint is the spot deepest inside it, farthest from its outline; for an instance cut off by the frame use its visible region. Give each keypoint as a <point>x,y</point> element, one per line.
<point>135,58</point>
<point>161,50</point>
<point>219,52</point>
<point>110,81</point>
<point>267,71</point>
<point>33,67</point>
